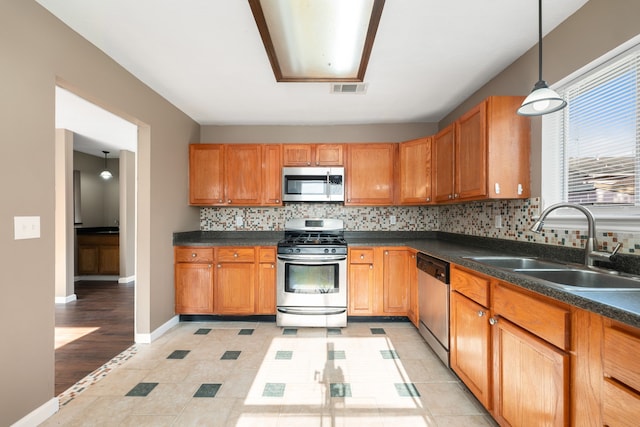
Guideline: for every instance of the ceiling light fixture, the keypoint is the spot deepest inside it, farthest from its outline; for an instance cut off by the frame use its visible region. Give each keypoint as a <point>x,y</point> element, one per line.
<point>542,99</point>
<point>318,40</point>
<point>106,174</point>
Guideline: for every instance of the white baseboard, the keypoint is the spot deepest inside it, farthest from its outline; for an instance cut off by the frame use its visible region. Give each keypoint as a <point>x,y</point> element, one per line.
<point>38,415</point>
<point>127,279</point>
<point>67,299</point>
<point>96,278</point>
<point>149,338</point>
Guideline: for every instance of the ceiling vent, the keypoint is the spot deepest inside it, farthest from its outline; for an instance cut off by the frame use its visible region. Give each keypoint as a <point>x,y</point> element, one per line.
<point>355,88</point>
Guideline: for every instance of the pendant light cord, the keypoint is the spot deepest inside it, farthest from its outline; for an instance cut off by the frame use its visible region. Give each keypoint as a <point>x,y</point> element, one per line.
<point>539,40</point>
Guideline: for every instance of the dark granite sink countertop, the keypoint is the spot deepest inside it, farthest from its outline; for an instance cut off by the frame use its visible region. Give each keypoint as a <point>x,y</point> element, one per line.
<point>623,306</point>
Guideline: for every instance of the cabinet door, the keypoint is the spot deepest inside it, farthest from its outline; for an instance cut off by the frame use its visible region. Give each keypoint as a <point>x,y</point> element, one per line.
<point>235,288</point>
<point>271,175</point>
<point>414,184</point>
<point>193,288</point>
<point>396,281</point>
<point>266,303</point>
<point>443,160</point>
<point>297,154</point>
<point>243,180</point>
<point>329,155</point>
<point>370,174</point>
<point>361,289</point>
<point>109,260</point>
<point>471,154</point>
<point>531,379</point>
<point>470,346</point>
<point>206,174</point>
<point>413,312</point>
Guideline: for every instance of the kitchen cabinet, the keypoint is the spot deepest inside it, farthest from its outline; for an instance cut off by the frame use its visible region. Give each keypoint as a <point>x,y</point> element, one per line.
<point>235,285</point>
<point>225,280</point>
<point>414,183</point>
<point>193,280</point>
<point>484,154</point>
<point>313,155</point>
<point>235,174</point>
<point>266,285</point>
<point>621,369</point>
<point>98,254</point>
<point>518,366</point>
<point>370,174</point>
<point>379,281</point>
<point>413,312</point>
<point>470,343</point>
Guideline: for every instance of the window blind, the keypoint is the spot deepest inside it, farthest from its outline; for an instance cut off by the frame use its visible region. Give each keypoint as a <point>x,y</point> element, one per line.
<point>599,134</point>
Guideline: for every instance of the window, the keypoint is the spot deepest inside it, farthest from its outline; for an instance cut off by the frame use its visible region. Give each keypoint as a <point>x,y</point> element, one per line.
<point>591,150</point>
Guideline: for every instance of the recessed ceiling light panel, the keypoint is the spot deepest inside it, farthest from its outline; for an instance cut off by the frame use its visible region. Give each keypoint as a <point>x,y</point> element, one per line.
<point>318,40</point>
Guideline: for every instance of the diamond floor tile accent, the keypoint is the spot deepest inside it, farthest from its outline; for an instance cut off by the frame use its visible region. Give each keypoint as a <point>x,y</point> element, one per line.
<point>378,331</point>
<point>202,331</point>
<point>142,389</point>
<point>407,390</point>
<point>336,355</point>
<point>207,390</point>
<point>389,354</point>
<point>289,331</point>
<point>245,332</point>
<point>230,355</point>
<point>334,331</point>
<point>178,354</point>
<point>273,390</point>
<point>284,355</point>
<point>340,389</point>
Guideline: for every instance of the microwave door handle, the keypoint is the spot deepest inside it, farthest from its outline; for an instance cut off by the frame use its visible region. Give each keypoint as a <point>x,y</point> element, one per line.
<point>328,190</point>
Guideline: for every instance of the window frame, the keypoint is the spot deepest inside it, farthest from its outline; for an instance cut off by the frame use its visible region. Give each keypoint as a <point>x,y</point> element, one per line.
<point>611,218</point>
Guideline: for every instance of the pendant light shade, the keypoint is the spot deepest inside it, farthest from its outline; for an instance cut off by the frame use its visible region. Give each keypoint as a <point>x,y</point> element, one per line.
<point>542,99</point>
<point>105,174</point>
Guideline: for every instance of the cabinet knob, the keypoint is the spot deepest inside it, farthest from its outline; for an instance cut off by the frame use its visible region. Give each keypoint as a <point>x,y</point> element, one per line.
<point>349,200</point>
<point>277,200</point>
<point>361,256</point>
<point>219,200</point>
<point>428,199</point>
<point>308,163</point>
<point>193,255</point>
<point>229,201</point>
<point>219,265</point>
<point>455,195</point>
<point>317,163</point>
<point>493,320</point>
<point>481,313</point>
<point>273,266</point>
<point>386,252</point>
<point>235,255</point>
<point>450,196</point>
<point>370,266</point>
<point>210,265</point>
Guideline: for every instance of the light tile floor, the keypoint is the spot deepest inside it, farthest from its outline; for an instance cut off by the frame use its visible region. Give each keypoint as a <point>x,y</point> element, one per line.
<point>256,374</point>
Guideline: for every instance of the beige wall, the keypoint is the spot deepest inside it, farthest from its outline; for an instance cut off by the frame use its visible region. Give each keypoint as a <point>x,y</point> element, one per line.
<point>39,51</point>
<point>343,133</point>
<point>596,28</point>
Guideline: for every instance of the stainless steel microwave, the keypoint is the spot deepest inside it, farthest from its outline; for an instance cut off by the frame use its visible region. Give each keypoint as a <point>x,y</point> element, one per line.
<point>313,184</point>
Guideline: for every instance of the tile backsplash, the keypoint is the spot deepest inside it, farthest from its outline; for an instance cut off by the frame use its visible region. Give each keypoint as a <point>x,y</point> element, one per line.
<point>476,218</point>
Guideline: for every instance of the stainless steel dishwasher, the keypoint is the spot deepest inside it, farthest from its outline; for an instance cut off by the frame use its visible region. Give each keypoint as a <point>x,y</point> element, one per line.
<point>433,300</point>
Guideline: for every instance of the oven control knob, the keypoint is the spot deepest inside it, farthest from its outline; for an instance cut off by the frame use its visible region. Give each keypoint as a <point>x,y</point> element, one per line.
<point>333,250</point>
<point>326,250</point>
<point>298,250</point>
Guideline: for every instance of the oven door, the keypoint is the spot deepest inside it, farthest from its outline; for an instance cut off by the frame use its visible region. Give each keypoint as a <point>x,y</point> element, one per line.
<point>312,281</point>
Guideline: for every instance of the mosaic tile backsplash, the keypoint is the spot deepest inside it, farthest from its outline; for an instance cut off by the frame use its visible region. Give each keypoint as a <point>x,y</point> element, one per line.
<point>475,219</point>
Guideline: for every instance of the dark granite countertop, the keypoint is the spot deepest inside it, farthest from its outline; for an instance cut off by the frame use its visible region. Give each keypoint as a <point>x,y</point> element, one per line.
<point>97,230</point>
<point>623,306</point>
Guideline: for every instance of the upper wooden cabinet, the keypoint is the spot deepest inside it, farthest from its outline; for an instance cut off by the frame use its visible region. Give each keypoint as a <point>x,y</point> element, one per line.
<point>414,183</point>
<point>235,174</point>
<point>484,154</point>
<point>370,174</point>
<point>313,155</point>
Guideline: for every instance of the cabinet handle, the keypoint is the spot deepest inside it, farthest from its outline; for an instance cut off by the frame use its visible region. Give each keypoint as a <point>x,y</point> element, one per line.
<point>481,313</point>
<point>493,320</point>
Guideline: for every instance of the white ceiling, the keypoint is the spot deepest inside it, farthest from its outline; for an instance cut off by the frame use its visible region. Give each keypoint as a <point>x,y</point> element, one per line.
<point>207,58</point>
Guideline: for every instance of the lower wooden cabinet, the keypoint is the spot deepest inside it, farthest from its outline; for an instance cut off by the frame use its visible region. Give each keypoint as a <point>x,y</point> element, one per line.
<point>225,280</point>
<point>379,281</point>
<point>98,254</point>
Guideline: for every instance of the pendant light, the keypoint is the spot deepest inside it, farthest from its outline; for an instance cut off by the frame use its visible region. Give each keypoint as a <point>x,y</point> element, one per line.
<point>542,99</point>
<point>106,174</point>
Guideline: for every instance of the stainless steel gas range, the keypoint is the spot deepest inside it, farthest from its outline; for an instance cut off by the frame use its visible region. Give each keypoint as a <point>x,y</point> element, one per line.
<point>312,274</point>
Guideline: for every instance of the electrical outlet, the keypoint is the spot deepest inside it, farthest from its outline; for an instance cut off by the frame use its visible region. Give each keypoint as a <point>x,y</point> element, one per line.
<point>497,221</point>
<point>239,221</point>
<point>392,219</point>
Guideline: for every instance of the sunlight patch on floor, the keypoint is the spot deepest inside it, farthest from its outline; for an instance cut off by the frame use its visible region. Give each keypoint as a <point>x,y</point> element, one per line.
<point>65,335</point>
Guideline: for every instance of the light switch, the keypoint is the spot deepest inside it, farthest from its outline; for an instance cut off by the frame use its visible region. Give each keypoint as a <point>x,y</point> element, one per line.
<point>26,227</point>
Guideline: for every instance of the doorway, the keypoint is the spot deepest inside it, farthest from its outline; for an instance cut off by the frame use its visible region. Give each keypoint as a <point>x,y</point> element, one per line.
<point>94,319</point>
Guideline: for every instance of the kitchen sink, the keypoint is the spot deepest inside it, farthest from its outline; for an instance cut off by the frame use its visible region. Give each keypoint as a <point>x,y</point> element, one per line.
<point>583,279</point>
<point>516,263</point>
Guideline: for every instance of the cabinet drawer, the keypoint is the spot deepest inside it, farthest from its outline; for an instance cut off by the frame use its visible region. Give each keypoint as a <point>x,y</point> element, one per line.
<point>621,361</point>
<point>193,254</point>
<point>361,256</point>
<point>621,406</point>
<point>267,255</point>
<point>543,319</point>
<point>474,287</point>
<point>236,254</point>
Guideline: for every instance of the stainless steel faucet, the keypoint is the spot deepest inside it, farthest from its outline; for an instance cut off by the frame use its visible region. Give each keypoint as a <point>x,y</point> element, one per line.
<point>591,252</point>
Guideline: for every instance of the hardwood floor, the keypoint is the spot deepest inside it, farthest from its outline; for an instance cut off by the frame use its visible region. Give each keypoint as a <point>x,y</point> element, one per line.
<point>92,330</point>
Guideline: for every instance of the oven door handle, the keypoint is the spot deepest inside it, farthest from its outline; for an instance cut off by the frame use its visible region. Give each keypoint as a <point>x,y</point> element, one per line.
<point>316,258</point>
<point>311,311</point>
